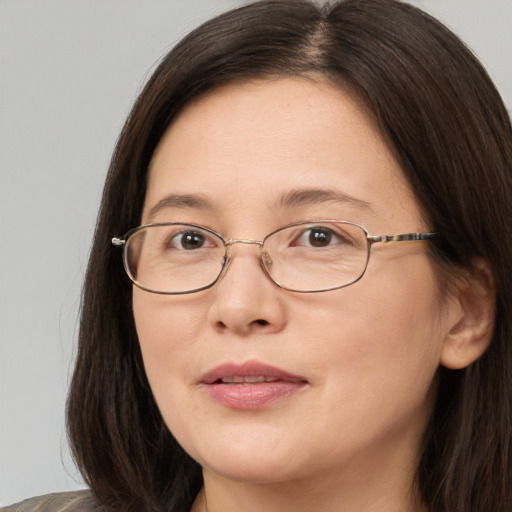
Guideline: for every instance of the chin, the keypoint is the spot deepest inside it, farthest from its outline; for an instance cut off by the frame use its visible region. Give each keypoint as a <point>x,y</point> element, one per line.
<point>264,470</point>
<point>249,457</point>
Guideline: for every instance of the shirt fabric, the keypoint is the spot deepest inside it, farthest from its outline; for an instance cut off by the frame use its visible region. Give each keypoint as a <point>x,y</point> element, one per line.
<point>75,501</point>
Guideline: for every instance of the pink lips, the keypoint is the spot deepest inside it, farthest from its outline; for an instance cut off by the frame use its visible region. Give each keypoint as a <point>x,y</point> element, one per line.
<point>251,385</point>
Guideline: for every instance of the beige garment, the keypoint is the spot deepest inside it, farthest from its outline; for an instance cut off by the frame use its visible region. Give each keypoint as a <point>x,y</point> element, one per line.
<point>75,501</point>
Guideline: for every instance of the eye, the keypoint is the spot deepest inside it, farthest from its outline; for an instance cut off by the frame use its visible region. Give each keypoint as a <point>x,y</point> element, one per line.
<point>320,236</point>
<point>189,240</point>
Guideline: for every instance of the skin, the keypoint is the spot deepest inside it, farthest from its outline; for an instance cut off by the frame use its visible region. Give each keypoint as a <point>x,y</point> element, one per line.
<point>350,439</point>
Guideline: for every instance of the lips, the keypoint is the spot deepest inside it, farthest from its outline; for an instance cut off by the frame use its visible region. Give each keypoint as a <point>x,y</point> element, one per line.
<point>251,385</point>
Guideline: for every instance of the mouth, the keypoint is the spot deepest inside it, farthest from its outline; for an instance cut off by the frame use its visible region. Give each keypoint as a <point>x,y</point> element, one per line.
<point>245,380</point>
<point>250,385</point>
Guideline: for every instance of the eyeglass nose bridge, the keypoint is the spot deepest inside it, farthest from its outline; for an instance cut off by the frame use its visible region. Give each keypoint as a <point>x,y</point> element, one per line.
<point>264,257</point>
<point>233,241</point>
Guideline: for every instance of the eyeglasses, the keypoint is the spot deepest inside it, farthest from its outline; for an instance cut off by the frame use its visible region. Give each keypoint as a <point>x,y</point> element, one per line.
<point>316,256</point>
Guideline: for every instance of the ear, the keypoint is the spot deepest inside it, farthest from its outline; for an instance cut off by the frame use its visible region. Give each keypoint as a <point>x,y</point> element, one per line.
<point>471,317</point>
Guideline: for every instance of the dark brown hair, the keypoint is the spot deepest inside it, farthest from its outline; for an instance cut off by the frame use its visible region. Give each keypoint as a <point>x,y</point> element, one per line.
<point>442,116</point>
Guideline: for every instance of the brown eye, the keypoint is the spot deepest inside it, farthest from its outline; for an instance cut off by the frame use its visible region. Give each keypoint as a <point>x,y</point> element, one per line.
<point>318,237</point>
<point>188,240</point>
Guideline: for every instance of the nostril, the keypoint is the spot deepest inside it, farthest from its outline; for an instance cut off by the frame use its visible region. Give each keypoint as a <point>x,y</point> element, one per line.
<point>221,326</point>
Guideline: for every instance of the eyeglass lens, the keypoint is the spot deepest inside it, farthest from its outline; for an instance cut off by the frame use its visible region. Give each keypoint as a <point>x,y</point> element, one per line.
<point>180,258</point>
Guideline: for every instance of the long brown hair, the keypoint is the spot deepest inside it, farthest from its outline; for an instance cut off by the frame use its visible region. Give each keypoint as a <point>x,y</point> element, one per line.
<point>442,116</point>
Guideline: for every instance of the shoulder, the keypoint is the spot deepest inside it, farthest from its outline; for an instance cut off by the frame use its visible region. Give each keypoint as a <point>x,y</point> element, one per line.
<point>74,501</point>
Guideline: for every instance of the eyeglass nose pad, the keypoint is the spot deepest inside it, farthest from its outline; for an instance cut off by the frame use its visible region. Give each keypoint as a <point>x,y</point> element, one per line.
<point>266,259</point>
<point>225,264</point>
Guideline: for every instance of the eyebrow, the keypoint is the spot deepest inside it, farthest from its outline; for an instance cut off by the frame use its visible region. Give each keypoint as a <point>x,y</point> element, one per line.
<point>195,201</point>
<point>297,197</point>
<point>312,196</point>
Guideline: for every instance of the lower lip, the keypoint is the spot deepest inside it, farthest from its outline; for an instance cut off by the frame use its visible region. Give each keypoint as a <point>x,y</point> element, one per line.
<point>252,395</point>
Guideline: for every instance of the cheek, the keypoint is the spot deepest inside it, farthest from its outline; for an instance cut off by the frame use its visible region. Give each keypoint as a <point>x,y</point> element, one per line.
<point>168,332</point>
<point>374,360</point>
<point>381,333</point>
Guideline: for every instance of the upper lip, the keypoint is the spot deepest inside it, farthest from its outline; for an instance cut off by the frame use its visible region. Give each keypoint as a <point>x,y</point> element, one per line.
<point>249,369</point>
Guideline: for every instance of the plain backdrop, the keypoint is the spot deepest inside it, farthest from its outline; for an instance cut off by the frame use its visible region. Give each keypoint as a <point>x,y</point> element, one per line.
<point>69,72</point>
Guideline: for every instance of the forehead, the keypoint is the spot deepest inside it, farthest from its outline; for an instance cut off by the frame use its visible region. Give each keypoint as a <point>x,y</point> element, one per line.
<point>249,144</point>
<point>286,111</point>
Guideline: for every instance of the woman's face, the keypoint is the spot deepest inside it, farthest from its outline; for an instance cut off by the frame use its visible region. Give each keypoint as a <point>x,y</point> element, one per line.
<point>349,373</point>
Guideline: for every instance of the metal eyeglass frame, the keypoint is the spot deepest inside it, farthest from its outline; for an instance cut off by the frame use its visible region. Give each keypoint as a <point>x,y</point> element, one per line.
<point>371,239</point>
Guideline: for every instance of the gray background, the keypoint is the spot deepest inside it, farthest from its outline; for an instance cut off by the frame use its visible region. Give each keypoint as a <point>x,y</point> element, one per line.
<point>69,72</point>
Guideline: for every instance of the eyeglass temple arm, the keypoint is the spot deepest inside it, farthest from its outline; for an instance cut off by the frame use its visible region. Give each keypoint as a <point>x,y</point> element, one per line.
<point>403,237</point>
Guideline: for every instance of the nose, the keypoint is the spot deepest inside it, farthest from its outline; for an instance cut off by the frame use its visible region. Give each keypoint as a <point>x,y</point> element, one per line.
<point>246,300</point>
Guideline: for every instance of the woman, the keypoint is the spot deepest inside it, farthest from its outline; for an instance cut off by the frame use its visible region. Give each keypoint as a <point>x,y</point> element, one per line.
<point>277,350</point>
